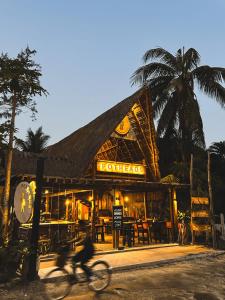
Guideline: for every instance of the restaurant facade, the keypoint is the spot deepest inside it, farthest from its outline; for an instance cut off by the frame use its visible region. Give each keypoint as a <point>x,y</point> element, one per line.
<point>112,162</point>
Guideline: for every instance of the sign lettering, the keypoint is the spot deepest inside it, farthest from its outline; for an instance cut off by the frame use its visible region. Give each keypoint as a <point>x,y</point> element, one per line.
<point>120,167</point>
<point>117,217</point>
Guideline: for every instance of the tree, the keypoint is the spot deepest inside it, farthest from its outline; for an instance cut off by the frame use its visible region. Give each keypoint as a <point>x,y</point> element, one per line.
<point>35,141</point>
<point>171,80</point>
<point>218,149</point>
<point>19,84</point>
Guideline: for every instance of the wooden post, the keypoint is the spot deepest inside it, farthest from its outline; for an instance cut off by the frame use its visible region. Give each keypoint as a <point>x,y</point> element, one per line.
<point>175,207</point>
<point>211,206</point>
<point>47,204</point>
<point>222,225</point>
<point>172,214</point>
<point>94,215</point>
<point>32,272</point>
<point>191,187</point>
<point>145,205</point>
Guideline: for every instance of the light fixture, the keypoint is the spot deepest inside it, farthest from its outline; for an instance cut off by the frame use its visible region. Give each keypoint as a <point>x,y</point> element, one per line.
<point>67,202</point>
<point>126,199</point>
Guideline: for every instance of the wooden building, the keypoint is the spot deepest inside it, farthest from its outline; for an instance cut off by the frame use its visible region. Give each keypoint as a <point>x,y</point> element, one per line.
<point>113,160</point>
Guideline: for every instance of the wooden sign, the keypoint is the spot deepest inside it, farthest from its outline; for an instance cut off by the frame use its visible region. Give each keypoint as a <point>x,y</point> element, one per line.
<point>120,167</point>
<point>200,227</point>
<point>117,217</point>
<point>23,202</point>
<point>200,200</point>
<point>200,214</point>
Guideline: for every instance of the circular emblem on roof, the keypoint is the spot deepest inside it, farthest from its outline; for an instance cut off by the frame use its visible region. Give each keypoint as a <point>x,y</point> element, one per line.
<point>123,127</point>
<point>23,202</point>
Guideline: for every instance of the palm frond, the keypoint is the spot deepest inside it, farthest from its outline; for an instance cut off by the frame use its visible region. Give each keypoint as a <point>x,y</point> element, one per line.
<point>218,149</point>
<point>154,70</point>
<point>162,54</point>
<point>208,81</point>
<point>191,59</point>
<point>168,115</point>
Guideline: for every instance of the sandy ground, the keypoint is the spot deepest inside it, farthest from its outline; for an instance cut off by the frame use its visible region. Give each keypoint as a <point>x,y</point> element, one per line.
<point>199,279</point>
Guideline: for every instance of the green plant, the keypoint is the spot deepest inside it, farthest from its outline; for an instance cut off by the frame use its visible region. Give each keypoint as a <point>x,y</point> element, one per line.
<point>12,259</point>
<point>183,216</point>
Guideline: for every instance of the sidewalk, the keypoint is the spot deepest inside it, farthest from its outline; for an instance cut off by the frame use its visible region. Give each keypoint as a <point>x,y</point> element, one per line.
<point>153,257</point>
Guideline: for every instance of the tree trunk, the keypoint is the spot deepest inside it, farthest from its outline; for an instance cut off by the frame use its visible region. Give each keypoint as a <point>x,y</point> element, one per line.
<point>8,172</point>
<point>152,138</point>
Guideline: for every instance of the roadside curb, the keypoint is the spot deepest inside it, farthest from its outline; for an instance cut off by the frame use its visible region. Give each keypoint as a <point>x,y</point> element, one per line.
<point>165,262</point>
<point>115,251</point>
<point>160,263</point>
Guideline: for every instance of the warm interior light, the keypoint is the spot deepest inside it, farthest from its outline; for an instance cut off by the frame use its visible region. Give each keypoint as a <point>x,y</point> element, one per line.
<point>46,191</point>
<point>67,202</point>
<point>90,198</point>
<point>117,202</point>
<point>126,199</point>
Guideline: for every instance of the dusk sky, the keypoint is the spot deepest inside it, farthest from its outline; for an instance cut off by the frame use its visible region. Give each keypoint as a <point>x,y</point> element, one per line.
<point>89,49</point>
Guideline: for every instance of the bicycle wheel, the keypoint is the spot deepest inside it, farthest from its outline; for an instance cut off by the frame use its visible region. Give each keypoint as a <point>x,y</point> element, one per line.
<point>101,276</point>
<point>57,284</point>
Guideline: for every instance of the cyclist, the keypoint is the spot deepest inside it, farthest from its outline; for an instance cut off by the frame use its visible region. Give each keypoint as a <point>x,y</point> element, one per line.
<point>84,255</point>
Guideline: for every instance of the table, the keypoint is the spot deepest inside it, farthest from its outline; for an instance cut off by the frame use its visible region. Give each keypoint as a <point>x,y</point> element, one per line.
<point>55,230</point>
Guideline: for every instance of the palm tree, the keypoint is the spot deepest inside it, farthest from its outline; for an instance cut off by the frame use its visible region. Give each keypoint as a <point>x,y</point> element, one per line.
<point>35,141</point>
<point>171,80</point>
<point>218,149</point>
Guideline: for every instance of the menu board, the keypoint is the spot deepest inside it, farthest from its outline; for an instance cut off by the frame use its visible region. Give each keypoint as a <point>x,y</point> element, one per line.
<point>117,217</point>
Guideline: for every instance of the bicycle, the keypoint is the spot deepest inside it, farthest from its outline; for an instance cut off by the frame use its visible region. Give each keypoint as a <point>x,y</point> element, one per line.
<point>59,281</point>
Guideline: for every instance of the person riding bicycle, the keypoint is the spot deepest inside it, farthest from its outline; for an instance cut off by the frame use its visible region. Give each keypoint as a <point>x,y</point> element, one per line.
<point>85,254</point>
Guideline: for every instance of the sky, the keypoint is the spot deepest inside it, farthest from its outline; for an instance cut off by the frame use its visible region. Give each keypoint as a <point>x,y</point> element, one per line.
<point>89,49</point>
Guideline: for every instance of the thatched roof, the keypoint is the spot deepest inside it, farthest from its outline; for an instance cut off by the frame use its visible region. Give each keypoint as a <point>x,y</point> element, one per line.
<point>72,156</point>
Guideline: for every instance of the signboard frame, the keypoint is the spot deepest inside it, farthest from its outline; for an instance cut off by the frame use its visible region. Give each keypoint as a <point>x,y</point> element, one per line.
<point>117,217</point>
<point>120,167</point>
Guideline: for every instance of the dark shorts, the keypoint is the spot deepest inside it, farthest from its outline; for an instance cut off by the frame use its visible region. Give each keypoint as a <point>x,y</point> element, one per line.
<point>83,256</point>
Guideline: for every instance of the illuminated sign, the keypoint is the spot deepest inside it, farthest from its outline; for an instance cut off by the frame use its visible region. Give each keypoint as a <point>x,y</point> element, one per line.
<point>120,167</point>
<point>123,127</point>
<point>23,202</point>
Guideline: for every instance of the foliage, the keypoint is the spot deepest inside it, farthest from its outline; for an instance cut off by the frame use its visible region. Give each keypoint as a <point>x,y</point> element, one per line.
<point>19,84</point>
<point>35,141</point>
<point>19,78</point>
<point>183,216</point>
<point>218,149</point>
<point>171,80</point>
<point>11,258</point>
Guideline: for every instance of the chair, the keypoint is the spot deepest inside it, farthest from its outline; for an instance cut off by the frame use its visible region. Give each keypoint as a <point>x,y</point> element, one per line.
<point>157,231</point>
<point>128,235</point>
<point>143,233</point>
<point>99,231</point>
<point>168,231</point>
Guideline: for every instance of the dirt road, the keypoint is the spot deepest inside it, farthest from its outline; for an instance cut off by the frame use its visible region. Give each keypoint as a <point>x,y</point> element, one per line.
<point>200,279</point>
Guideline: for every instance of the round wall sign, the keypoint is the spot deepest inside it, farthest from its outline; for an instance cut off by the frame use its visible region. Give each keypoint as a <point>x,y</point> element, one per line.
<point>123,127</point>
<point>23,202</point>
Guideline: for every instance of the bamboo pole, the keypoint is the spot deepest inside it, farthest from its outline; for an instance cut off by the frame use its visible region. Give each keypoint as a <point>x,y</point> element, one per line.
<point>211,206</point>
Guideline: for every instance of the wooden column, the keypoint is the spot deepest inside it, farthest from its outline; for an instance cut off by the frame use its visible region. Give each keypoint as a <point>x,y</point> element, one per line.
<point>172,214</point>
<point>146,205</point>
<point>94,214</point>
<point>47,204</point>
<point>32,272</point>
<point>175,206</point>
<point>191,189</point>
